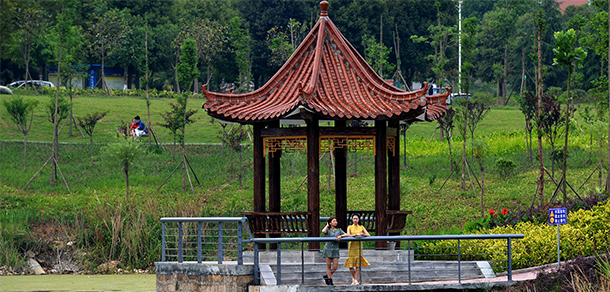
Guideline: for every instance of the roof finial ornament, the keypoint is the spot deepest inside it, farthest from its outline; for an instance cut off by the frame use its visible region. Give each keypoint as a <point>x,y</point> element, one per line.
<point>324,8</point>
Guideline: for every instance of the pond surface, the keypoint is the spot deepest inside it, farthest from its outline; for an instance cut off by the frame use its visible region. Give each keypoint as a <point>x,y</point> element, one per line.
<point>79,283</point>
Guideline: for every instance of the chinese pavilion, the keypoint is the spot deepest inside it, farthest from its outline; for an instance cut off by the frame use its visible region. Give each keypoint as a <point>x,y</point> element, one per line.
<point>327,79</point>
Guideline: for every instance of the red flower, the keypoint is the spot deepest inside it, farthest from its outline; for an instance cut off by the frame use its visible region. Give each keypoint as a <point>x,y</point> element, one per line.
<point>504,211</point>
<point>495,215</point>
<point>491,211</point>
<point>547,202</point>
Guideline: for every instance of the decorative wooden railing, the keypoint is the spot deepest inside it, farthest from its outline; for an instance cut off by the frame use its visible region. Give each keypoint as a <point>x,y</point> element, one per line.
<point>396,220</point>
<point>297,222</point>
<point>277,222</point>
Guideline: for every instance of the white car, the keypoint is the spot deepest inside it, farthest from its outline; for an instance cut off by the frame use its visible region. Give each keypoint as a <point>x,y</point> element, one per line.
<point>21,83</point>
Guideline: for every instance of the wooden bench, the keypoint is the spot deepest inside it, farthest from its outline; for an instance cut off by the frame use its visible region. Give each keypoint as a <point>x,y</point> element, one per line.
<point>396,220</point>
<point>261,223</point>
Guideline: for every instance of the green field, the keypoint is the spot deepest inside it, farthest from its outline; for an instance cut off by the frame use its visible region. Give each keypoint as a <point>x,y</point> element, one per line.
<point>97,194</point>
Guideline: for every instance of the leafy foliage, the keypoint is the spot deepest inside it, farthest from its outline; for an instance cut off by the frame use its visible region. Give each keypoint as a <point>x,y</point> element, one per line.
<point>123,154</point>
<point>187,68</point>
<point>63,108</point>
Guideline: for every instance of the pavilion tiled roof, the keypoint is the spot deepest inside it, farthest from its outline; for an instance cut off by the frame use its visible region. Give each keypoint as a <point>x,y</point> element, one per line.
<point>328,77</point>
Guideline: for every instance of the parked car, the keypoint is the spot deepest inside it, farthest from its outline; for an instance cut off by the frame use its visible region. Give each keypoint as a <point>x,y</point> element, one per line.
<point>21,83</point>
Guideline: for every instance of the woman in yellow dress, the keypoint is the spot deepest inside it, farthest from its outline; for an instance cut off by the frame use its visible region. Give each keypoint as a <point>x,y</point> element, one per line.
<point>355,260</point>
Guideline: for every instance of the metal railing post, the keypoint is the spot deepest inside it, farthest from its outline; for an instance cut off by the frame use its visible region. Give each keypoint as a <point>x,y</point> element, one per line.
<point>257,279</point>
<point>279,263</point>
<point>240,245</point>
<point>409,252</point>
<point>302,265</point>
<point>510,261</point>
<point>459,264</point>
<point>199,242</point>
<point>163,241</point>
<point>180,242</point>
<point>220,242</point>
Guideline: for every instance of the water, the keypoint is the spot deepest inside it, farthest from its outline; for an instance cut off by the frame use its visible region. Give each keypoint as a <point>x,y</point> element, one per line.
<point>79,283</point>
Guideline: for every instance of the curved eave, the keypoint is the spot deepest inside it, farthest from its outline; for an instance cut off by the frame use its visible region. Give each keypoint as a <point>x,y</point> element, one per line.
<point>327,76</point>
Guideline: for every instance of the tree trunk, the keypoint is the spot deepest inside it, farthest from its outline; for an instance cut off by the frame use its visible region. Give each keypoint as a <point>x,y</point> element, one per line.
<point>539,92</point>
<point>127,180</point>
<point>565,146</point>
<point>104,84</point>
<point>505,75</point>
<point>464,157</point>
<point>25,152</point>
<point>71,115</point>
<point>176,75</point>
<point>147,96</point>
<point>91,148</point>
<point>54,147</point>
<point>608,177</point>
<point>482,186</point>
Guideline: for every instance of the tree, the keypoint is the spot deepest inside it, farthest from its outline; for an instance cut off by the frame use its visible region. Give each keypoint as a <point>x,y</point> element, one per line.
<point>18,109</point>
<point>107,33</point>
<point>440,38</point>
<point>71,41</point>
<point>479,148</point>
<point>234,139</point>
<point>470,27</point>
<point>63,109</point>
<point>31,22</point>
<point>376,54</point>
<point>210,39</point>
<point>446,125</point>
<point>567,55</point>
<point>469,113</point>
<point>241,43</point>
<point>175,118</point>
<point>123,153</point>
<point>187,68</point>
<point>282,42</point>
<point>88,123</point>
<point>549,123</point>
<point>187,72</point>
<point>528,106</point>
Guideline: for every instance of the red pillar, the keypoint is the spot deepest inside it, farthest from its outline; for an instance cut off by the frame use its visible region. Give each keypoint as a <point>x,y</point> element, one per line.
<point>313,180</point>
<point>381,181</point>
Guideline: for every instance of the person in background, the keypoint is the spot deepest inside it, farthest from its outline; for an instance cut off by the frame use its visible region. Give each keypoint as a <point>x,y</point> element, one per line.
<point>331,249</point>
<point>355,260</point>
<point>137,128</point>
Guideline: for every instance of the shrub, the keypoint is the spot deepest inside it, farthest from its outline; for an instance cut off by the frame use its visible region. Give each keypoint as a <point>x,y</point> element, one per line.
<point>587,233</point>
<point>505,167</point>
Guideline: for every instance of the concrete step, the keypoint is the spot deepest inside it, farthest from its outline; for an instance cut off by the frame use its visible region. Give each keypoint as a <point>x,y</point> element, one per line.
<point>377,272</point>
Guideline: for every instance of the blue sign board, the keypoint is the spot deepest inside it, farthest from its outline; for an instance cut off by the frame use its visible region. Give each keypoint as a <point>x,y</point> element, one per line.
<point>558,216</point>
<point>92,77</point>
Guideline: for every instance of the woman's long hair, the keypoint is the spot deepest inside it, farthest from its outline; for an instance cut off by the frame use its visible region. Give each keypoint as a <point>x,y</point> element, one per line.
<point>330,219</point>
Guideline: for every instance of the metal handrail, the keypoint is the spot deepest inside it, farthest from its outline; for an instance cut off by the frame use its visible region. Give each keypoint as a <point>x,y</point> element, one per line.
<point>408,238</point>
<point>256,241</point>
<point>218,220</point>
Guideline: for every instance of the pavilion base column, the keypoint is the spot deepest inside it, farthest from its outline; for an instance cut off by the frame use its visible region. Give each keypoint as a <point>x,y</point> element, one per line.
<point>313,179</point>
<point>259,172</point>
<point>381,180</point>
<point>394,170</point>
<point>341,186</point>
<point>274,183</point>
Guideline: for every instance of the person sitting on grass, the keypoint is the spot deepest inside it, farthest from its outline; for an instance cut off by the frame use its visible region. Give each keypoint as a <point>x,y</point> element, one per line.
<point>137,128</point>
